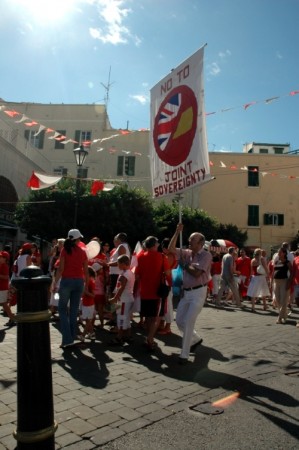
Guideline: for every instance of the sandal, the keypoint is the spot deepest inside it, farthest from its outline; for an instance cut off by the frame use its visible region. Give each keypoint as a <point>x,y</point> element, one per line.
<point>164,331</point>
<point>151,346</point>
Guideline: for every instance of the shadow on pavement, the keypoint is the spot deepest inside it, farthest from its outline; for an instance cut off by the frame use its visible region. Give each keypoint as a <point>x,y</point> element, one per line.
<point>88,370</point>
<point>285,425</point>
<point>2,335</point>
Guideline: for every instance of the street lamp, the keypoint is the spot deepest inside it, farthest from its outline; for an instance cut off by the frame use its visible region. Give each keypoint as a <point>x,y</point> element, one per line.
<point>80,156</point>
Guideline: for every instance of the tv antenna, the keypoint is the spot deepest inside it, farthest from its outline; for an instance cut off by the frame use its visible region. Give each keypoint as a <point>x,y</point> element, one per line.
<point>106,98</point>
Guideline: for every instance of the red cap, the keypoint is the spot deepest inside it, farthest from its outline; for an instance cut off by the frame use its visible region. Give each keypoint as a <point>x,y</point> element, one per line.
<point>4,254</point>
<point>27,246</point>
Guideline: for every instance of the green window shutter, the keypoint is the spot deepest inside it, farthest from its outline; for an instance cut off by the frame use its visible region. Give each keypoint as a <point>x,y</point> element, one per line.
<point>266,219</point>
<point>58,145</point>
<point>77,138</point>
<point>41,139</point>
<point>253,215</point>
<point>130,165</point>
<point>280,219</point>
<point>253,176</point>
<point>120,165</point>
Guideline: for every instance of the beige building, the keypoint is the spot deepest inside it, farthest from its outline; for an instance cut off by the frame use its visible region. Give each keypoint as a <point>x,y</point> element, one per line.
<point>255,190</point>
<point>258,192</point>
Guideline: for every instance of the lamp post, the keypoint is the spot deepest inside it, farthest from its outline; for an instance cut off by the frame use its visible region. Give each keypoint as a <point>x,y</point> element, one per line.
<point>80,156</point>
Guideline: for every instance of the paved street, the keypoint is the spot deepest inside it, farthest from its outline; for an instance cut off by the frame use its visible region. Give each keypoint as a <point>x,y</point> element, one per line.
<point>126,398</point>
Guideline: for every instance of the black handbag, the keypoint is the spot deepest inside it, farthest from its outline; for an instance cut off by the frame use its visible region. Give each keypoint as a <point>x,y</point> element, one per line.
<point>163,289</point>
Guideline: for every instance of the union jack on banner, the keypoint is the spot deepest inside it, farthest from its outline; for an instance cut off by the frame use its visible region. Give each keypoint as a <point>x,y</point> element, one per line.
<point>166,119</point>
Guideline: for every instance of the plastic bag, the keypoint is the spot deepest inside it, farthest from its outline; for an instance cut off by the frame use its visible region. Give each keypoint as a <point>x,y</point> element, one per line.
<point>177,280</point>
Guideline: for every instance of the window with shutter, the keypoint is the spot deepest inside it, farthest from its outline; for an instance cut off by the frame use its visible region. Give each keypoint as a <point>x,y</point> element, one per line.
<point>58,145</point>
<point>253,215</point>
<point>120,166</point>
<point>274,219</point>
<point>253,176</point>
<point>82,137</point>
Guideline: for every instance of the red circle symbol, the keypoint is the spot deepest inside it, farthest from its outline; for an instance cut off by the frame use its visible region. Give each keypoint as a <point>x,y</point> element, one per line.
<point>175,126</point>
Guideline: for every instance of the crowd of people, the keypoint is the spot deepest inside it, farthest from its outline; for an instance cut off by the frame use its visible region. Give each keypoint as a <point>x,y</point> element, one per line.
<point>109,287</point>
<point>270,281</point>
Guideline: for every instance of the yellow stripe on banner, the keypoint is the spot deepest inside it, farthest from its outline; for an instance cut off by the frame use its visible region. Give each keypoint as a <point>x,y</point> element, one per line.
<point>185,123</point>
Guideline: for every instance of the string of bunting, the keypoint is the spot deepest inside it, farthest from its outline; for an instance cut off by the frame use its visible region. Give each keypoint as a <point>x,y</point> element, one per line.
<point>39,181</point>
<point>262,172</point>
<point>29,122</point>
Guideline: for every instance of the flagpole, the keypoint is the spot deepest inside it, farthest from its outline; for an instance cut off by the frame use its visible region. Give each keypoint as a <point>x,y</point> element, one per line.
<point>179,198</point>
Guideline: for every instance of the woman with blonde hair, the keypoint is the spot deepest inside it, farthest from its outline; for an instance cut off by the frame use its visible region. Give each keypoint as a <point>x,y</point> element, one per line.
<point>258,286</point>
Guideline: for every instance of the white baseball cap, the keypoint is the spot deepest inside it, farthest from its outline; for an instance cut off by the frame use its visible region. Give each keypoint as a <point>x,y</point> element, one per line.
<point>74,234</point>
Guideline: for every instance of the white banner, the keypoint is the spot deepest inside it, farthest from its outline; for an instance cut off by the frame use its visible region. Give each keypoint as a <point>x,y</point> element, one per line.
<point>178,143</point>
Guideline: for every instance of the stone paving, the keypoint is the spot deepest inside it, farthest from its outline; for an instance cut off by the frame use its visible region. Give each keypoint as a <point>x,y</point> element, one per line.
<point>102,393</point>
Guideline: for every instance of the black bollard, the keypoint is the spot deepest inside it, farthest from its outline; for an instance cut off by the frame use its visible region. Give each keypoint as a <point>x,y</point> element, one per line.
<point>35,413</point>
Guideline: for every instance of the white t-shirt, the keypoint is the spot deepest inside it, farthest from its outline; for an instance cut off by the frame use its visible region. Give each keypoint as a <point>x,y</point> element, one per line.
<point>114,270</point>
<point>127,294</point>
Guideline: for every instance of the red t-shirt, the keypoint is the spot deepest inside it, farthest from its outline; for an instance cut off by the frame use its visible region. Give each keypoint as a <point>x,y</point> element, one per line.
<point>296,269</point>
<point>216,268</point>
<point>73,263</point>
<point>4,270</point>
<point>150,266</point>
<point>97,259</point>
<point>243,265</point>
<point>87,300</point>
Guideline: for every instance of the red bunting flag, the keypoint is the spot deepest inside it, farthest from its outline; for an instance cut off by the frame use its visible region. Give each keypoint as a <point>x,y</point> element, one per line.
<point>12,113</point>
<point>41,181</point>
<point>96,187</point>
<point>30,124</point>
<point>33,182</point>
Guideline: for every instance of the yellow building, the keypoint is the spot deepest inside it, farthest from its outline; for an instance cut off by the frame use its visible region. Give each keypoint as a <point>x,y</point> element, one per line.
<point>256,190</point>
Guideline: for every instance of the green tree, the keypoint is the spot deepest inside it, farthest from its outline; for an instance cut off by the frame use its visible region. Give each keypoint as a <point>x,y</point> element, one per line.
<point>167,217</point>
<point>49,213</point>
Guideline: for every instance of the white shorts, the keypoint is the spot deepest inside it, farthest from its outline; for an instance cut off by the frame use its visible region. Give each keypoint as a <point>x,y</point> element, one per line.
<point>123,315</point>
<point>3,297</point>
<point>88,312</point>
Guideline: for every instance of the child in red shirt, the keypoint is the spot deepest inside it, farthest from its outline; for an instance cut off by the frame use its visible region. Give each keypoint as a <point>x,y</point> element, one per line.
<point>100,291</point>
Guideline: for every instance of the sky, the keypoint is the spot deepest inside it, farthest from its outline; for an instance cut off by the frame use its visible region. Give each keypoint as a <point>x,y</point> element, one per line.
<point>78,51</point>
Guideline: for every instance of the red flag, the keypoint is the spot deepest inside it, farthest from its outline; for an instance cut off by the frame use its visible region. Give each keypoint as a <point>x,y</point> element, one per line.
<point>33,182</point>
<point>42,181</point>
<point>96,187</point>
